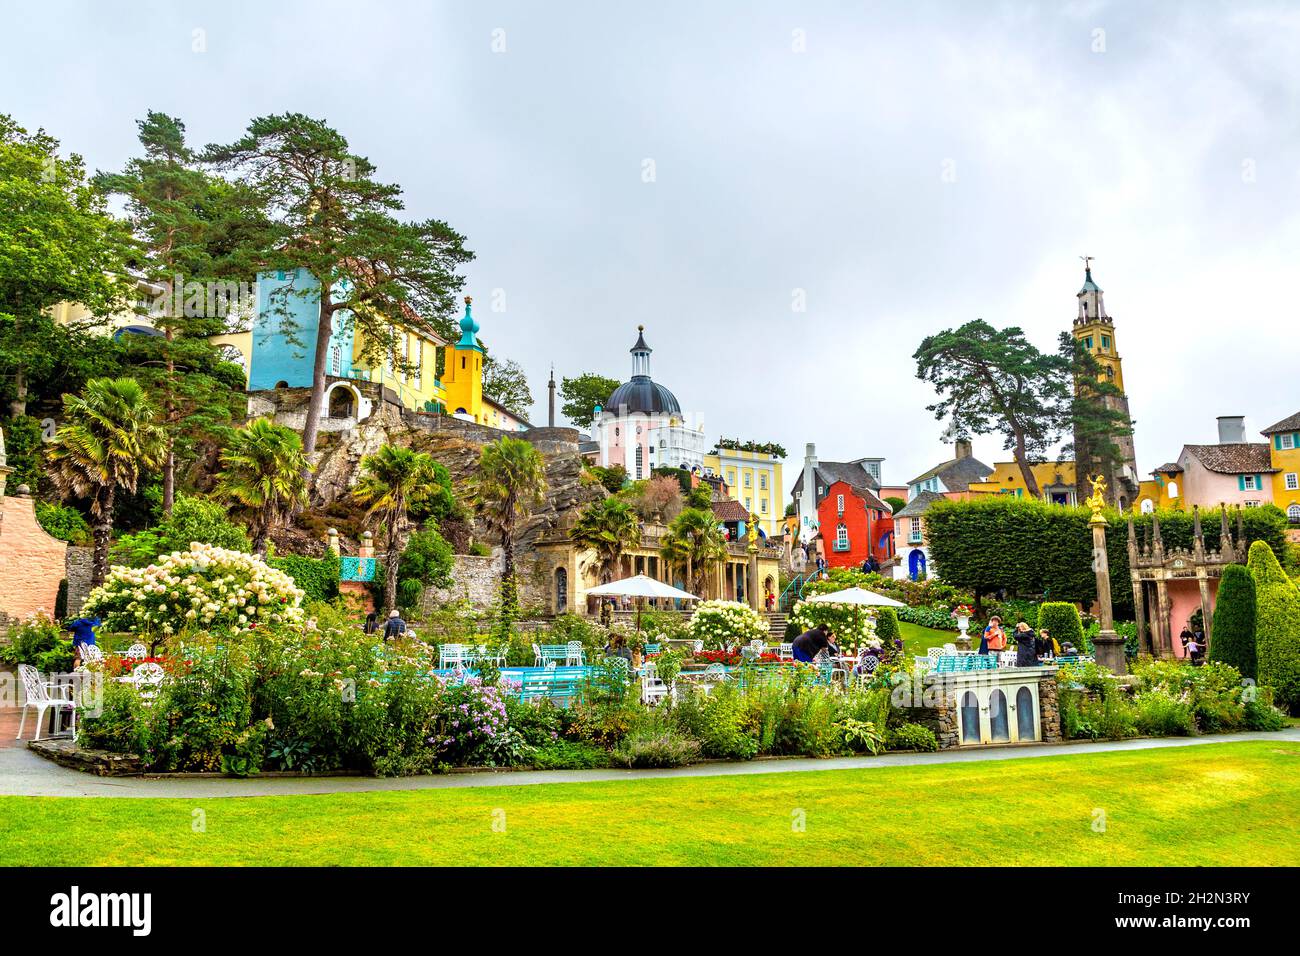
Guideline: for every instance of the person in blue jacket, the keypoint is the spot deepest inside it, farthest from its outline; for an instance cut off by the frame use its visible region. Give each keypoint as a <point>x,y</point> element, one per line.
<point>83,633</point>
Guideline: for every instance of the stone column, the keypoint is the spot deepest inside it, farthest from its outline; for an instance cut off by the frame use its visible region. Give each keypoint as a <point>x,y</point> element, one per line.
<point>1139,610</point>
<point>1203,580</point>
<point>1163,641</point>
<point>1108,646</point>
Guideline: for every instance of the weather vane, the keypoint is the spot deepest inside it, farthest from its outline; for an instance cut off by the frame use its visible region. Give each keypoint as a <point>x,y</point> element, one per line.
<point>1087,262</point>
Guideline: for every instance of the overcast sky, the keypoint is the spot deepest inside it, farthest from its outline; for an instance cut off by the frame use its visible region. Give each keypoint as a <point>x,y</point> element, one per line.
<point>900,167</point>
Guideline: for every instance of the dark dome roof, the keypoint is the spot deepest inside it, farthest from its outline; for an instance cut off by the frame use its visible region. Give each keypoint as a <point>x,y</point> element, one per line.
<point>642,394</point>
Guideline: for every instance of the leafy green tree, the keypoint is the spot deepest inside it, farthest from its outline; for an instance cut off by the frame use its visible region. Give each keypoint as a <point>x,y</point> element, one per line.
<point>332,217</point>
<point>108,439</point>
<point>190,227</point>
<point>887,629</point>
<point>505,383</point>
<point>263,470</point>
<point>1232,638</point>
<point>63,522</point>
<point>508,484</point>
<point>611,478</point>
<point>392,480</point>
<point>895,503</point>
<point>995,380</point>
<point>695,542</point>
<point>582,393</point>
<point>192,520</point>
<point>427,561</point>
<point>610,528</point>
<point>1277,626</point>
<point>58,243</point>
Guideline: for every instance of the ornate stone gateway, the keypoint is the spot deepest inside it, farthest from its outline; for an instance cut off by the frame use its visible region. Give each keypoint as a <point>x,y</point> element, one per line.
<point>1169,584</point>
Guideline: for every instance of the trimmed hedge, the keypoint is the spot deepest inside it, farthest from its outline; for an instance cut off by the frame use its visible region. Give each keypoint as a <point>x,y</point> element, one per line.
<point>1232,638</point>
<point>1031,547</point>
<point>887,626</point>
<point>1277,627</point>
<point>318,577</point>
<point>1062,622</point>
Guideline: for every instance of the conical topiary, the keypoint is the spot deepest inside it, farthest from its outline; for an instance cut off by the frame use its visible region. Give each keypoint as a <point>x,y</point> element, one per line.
<point>1232,637</point>
<point>1277,626</point>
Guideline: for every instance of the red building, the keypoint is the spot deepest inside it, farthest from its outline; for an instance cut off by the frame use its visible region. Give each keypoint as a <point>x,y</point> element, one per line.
<point>854,523</point>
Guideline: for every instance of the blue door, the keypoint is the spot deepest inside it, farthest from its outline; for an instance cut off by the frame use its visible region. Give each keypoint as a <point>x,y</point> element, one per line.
<point>916,564</point>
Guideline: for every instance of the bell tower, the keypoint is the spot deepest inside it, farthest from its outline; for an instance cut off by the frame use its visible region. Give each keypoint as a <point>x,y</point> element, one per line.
<point>1094,329</point>
<point>463,375</point>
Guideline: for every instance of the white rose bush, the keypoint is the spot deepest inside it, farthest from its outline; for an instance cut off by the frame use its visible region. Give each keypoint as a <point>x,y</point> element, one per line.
<point>852,625</point>
<point>204,588</point>
<point>721,624</point>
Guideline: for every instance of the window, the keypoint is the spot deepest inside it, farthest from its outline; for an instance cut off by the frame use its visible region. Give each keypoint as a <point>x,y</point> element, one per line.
<point>731,477</point>
<point>841,537</point>
<point>1173,489</point>
<point>915,535</point>
<point>417,376</point>
<point>748,506</point>
<point>1248,483</point>
<point>1087,343</point>
<point>1292,481</point>
<point>336,360</point>
<point>1105,343</point>
<point>762,505</point>
<point>1293,513</point>
<point>639,462</point>
<point>1285,442</point>
<point>839,504</point>
<point>1251,504</point>
<point>762,482</point>
<point>749,479</point>
<point>1148,506</point>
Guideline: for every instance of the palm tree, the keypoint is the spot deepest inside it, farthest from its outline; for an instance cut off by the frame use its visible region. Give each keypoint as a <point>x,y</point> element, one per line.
<point>393,480</point>
<point>508,485</point>
<point>263,472</point>
<point>694,539</point>
<point>609,527</point>
<point>108,437</point>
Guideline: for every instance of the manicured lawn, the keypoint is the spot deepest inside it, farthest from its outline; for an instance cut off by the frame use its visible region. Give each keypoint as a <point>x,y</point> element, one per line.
<point>1219,804</point>
<point>917,639</point>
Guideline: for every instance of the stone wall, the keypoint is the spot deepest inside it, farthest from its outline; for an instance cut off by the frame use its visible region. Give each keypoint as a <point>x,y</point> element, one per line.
<point>78,565</point>
<point>1049,709</point>
<point>31,562</point>
<point>477,580</point>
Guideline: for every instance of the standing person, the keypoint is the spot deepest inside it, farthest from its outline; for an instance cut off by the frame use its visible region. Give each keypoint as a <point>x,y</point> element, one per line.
<point>993,638</point>
<point>372,623</point>
<point>83,633</point>
<point>606,611</point>
<point>1026,646</point>
<point>1185,638</point>
<point>395,627</point>
<point>812,642</point>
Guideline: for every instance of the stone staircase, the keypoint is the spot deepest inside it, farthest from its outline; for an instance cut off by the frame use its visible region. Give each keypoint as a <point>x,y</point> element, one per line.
<point>776,622</point>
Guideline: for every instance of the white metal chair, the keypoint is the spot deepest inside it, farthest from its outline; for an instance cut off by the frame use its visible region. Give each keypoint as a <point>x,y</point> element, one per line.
<point>43,696</point>
<point>574,658</point>
<point>136,651</point>
<point>949,649</point>
<point>653,689</point>
<point>147,678</point>
<point>934,653</point>
<point>452,655</point>
<point>537,656</point>
<point>785,652</point>
<point>91,654</point>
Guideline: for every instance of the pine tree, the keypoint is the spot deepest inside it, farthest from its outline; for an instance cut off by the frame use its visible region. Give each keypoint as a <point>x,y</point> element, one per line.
<point>1232,636</point>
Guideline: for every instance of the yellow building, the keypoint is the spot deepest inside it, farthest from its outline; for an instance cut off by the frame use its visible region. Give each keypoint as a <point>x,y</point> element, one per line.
<point>136,317</point>
<point>1284,450</point>
<point>1162,491</point>
<point>1056,481</point>
<point>754,479</point>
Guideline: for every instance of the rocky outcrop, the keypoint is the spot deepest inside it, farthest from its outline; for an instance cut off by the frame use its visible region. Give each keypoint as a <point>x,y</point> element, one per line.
<point>455,445</point>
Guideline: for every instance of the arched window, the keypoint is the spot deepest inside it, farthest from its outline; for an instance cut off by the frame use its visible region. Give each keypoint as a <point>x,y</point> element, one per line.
<point>841,537</point>
<point>1026,715</point>
<point>639,462</point>
<point>1293,513</point>
<point>1173,489</point>
<point>1148,506</point>
<point>336,360</point>
<point>970,718</point>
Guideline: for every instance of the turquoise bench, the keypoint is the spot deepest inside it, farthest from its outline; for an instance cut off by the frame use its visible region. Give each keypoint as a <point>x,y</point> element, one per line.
<point>552,683</point>
<point>962,663</point>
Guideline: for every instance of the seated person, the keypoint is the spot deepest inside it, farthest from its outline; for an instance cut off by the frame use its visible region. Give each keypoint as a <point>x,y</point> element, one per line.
<point>617,647</point>
<point>812,642</point>
<point>1046,645</point>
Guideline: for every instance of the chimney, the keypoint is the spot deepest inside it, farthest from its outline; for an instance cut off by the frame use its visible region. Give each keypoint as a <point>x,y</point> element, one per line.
<point>1232,429</point>
<point>962,448</point>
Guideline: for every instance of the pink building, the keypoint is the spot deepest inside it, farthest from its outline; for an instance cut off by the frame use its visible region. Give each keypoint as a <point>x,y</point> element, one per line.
<point>1233,472</point>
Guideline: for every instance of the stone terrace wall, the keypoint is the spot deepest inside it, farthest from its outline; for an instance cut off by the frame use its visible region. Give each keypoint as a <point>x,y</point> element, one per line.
<point>477,580</point>
<point>77,569</point>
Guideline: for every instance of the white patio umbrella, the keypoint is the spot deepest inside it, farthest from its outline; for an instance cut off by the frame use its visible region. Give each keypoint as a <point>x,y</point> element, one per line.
<point>859,596</point>
<point>640,586</point>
